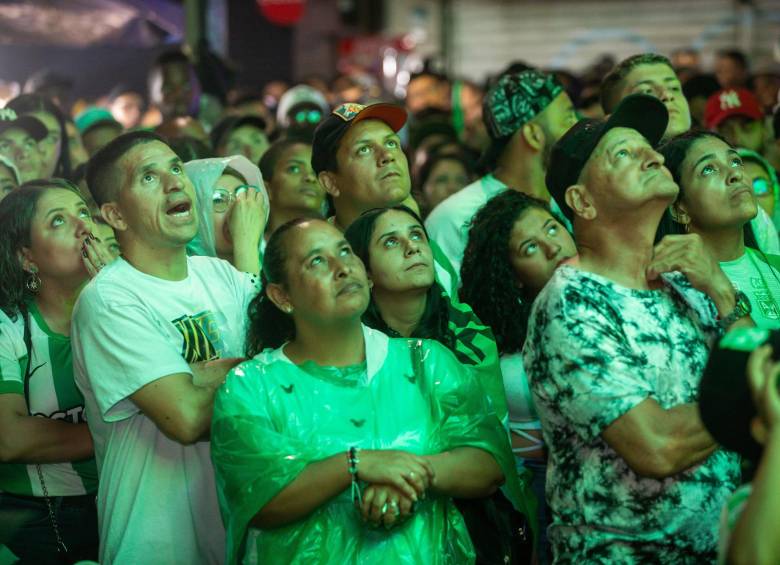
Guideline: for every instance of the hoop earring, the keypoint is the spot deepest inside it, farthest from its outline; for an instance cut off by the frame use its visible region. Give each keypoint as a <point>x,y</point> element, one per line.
<point>33,282</point>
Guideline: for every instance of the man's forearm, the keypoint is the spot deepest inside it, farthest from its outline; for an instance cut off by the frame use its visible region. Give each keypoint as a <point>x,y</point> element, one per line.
<point>685,439</point>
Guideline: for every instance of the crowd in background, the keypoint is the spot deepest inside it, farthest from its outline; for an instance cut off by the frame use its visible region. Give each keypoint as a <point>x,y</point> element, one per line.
<point>528,320</point>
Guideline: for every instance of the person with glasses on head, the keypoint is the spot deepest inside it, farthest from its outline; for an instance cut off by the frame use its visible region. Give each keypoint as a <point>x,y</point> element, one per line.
<point>233,209</point>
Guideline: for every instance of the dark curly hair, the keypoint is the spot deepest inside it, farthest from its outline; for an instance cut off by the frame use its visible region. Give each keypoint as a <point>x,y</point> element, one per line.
<point>16,214</point>
<point>674,152</point>
<point>486,274</point>
<point>434,323</point>
<point>269,327</point>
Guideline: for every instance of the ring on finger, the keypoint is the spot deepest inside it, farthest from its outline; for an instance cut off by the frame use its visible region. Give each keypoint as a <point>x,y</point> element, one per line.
<point>240,189</point>
<point>396,509</point>
<point>384,508</point>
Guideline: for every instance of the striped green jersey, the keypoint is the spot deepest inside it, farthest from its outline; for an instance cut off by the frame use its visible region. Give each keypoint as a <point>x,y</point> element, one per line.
<point>53,394</point>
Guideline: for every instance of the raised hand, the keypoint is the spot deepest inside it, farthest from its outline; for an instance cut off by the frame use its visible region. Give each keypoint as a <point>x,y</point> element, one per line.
<point>247,216</point>
<point>95,255</point>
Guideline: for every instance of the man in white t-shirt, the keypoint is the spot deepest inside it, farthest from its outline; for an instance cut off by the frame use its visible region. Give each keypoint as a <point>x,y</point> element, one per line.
<point>525,114</point>
<point>154,335</point>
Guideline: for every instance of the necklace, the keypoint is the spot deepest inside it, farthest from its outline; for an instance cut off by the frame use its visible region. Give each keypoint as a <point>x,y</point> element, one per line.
<point>770,294</point>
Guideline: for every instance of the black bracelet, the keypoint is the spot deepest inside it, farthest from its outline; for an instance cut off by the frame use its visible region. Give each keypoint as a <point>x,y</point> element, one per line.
<point>352,463</point>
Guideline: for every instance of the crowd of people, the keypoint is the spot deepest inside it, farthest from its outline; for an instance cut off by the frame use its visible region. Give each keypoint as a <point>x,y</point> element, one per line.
<point>530,321</point>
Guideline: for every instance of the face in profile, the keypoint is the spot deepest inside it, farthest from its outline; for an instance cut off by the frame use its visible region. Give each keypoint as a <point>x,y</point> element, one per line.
<point>60,225</point>
<point>538,245</point>
<point>326,282</point>
<point>400,257</point>
<point>156,202</point>
<point>716,193</point>
<point>660,81</point>
<point>294,186</point>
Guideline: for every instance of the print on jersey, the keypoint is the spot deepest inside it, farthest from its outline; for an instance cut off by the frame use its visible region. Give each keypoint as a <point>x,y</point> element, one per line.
<point>202,341</point>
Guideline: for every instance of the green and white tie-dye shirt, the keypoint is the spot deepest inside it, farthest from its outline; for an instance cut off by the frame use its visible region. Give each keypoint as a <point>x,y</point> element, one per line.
<point>594,351</point>
<point>53,394</point>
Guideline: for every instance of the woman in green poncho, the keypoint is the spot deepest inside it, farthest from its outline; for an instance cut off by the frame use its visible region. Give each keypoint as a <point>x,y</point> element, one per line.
<point>415,421</point>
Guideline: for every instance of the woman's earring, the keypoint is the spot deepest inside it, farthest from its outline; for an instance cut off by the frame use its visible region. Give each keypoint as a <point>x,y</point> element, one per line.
<point>33,282</point>
<point>288,309</point>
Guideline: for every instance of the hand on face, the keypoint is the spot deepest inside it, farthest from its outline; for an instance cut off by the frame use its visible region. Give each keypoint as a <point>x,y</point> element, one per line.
<point>96,255</point>
<point>247,216</point>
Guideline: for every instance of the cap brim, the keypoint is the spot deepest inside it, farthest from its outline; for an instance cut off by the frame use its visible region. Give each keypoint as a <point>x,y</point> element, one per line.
<point>30,124</point>
<point>392,114</point>
<point>640,112</point>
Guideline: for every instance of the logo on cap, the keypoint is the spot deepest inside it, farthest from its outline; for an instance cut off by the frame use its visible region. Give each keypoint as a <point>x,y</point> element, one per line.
<point>729,99</point>
<point>348,111</point>
<point>7,115</point>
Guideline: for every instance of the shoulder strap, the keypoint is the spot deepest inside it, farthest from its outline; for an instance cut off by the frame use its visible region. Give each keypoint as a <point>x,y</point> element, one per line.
<point>28,346</point>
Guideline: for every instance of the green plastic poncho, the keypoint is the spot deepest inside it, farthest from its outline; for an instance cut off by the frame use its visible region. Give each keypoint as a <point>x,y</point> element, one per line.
<point>272,418</point>
<point>204,174</point>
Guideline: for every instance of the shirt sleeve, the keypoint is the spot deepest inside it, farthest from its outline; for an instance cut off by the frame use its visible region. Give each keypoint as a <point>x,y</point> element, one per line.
<point>582,372</point>
<point>13,358</point>
<point>121,348</point>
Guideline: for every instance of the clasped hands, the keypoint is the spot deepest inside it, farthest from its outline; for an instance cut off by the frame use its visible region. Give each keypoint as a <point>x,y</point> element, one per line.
<point>397,480</point>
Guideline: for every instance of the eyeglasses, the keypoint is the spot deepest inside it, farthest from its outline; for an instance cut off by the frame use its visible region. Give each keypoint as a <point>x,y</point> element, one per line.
<point>307,116</point>
<point>761,187</point>
<point>222,198</point>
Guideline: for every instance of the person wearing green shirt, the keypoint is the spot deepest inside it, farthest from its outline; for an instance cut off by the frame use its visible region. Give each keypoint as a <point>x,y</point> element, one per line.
<point>336,443</point>
<point>48,477</point>
<point>717,202</point>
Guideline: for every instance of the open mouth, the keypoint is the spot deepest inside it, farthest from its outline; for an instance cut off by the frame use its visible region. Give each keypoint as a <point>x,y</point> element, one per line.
<point>180,210</point>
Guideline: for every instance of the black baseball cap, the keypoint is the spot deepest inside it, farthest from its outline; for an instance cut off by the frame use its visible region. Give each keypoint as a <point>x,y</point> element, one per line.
<point>725,400</point>
<point>330,130</point>
<point>640,112</point>
<point>32,125</point>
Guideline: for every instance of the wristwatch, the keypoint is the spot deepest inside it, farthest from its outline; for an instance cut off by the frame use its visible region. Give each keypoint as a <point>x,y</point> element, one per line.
<point>741,309</point>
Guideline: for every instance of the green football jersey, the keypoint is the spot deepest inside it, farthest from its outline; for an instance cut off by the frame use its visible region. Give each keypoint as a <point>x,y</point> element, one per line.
<point>53,394</point>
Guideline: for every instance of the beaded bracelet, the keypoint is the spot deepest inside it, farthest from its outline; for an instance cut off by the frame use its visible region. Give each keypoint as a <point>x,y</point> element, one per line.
<point>352,463</point>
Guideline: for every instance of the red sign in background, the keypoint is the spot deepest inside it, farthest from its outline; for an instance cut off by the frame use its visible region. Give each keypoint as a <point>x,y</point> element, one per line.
<point>282,12</point>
